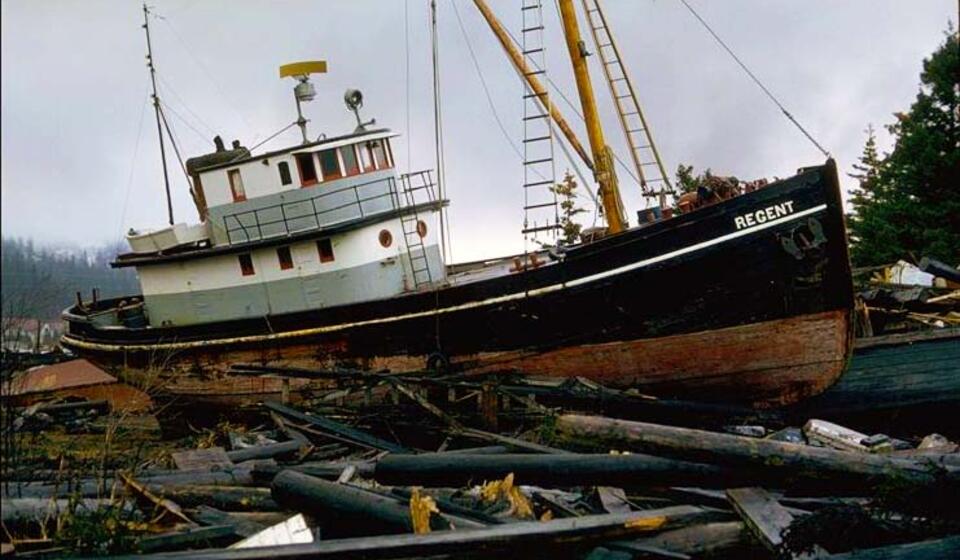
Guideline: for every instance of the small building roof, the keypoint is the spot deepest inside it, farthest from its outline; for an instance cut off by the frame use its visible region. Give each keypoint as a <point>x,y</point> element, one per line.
<point>45,379</point>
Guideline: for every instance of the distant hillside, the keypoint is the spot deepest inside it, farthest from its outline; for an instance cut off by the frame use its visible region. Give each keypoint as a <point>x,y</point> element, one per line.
<point>40,282</point>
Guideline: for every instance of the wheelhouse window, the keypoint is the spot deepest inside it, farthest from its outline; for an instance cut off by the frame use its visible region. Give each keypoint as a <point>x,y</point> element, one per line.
<point>325,248</point>
<point>286,260</point>
<point>377,152</point>
<point>330,164</point>
<point>246,264</point>
<point>350,164</point>
<point>308,171</point>
<point>284,169</point>
<point>236,185</point>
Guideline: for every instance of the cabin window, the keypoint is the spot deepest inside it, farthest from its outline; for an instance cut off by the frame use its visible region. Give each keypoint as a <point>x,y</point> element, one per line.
<point>308,172</point>
<point>283,255</point>
<point>378,154</point>
<point>366,158</point>
<point>236,185</point>
<point>246,264</point>
<point>330,164</point>
<point>350,164</point>
<point>325,248</point>
<point>284,169</point>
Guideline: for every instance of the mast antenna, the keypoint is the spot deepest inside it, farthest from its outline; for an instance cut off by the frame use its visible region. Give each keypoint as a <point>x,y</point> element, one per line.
<point>156,111</point>
<point>304,90</point>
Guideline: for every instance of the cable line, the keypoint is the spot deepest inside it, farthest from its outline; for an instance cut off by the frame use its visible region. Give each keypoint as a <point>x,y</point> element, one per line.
<point>754,78</point>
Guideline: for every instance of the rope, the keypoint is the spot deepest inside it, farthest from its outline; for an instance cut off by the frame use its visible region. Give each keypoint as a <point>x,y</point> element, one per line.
<point>406,71</point>
<point>133,162</point>
<point>169,88</point>
<point>438,129</point>
<point>274,135</point>
<point>206,72</point>
<point>176,149</point>
<point>199,134</point>
<point>755,79</point>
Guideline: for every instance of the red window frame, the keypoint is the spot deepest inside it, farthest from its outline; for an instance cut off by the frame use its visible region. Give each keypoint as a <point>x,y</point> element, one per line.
<point>325,250</point>
<point>316,177</point>
<point>242,194</point>
<point>246,264</point>
<point>331,176</point>
<point>285,258</point>
<point>357,169</point>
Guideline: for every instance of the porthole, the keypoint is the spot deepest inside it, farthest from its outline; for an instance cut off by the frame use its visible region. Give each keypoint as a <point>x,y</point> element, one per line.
<point>421,228</point>
<point>386,238</point>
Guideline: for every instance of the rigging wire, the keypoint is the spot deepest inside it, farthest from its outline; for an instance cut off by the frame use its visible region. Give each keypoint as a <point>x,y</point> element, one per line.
<point>176,149</point>
<point>199,134</point>
<point>438,130</point>
<point>133,162</point>
<point>755,79</point>
<point>167,87</point>
<point>206,71</point>
<point>271,137</point>
<point>406,71</point>
<point>573,108</point>
<point>496,115</point>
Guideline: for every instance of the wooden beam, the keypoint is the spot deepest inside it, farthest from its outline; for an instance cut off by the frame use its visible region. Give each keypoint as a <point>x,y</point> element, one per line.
<point>791,463</point>
<point>527,537</point>
<point>334,427</point>
<point>442,469</point>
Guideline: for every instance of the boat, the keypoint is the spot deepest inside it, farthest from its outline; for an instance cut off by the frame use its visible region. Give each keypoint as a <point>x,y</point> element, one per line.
<point>322,254</point>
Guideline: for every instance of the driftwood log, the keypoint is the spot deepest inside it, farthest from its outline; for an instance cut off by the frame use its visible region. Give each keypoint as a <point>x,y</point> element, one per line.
<point>793,463</point>
<point>529,538</point>
<point>90,487</point>
<point>571,469</point>
<point>345,509</point>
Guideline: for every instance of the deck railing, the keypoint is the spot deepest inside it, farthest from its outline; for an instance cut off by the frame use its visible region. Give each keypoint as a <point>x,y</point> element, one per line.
<point>330,207</point>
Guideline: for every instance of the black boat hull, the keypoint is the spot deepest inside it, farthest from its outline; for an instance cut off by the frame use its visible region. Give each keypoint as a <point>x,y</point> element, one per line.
<point>745,300</point>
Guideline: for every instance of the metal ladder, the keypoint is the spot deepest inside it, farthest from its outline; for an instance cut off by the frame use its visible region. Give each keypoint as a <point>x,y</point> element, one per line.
<point>416,251</point>
<point>541,216</point>
<point>643,151</point>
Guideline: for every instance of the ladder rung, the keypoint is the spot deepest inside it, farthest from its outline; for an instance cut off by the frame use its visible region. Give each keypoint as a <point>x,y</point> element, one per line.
<point>533,7</point>
<point>534,28</point>
<point>635,130</point>
<point>542,205</point>
<point>536,161</point>
<point>533,51</point>
<point>537,184</point>
<point>645,146</point>
<point>529,95</point>
<point>649,163</point>
<point>537,139</point>
<point>530,118</point>
<point>631,113</point>
<point>535,73</point>
<point>601,45</point>
<point>623,96</point>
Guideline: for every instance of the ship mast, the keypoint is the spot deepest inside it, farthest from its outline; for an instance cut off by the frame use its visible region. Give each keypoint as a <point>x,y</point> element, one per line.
<point>602,154</point>
<point>156,111</point>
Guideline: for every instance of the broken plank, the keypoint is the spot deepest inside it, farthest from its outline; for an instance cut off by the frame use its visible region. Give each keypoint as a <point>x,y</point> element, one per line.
<point>342,430</point>
<point>765,518</point>
<point>208,536</point>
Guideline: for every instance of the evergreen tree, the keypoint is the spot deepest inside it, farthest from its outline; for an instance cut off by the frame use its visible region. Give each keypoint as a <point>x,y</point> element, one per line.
<point>907,205</point>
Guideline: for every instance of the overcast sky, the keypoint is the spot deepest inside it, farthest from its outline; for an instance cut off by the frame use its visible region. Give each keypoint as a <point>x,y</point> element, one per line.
<point>80,162</point>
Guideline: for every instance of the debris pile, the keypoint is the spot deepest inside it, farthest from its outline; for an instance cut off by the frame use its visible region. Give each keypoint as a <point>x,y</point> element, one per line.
<point>418,466</point>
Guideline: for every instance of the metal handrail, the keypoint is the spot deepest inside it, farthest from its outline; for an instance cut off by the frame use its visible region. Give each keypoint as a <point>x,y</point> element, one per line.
<point>237,225</point>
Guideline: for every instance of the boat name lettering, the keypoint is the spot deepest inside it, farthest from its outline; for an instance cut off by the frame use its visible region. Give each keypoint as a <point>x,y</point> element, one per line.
<point>763,215</point>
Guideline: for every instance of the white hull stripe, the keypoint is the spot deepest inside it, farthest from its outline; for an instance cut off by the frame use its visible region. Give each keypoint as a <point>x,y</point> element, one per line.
<point>452,309</point>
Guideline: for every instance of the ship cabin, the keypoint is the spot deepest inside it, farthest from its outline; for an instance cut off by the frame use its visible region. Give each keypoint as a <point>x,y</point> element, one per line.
<point>316,225</point>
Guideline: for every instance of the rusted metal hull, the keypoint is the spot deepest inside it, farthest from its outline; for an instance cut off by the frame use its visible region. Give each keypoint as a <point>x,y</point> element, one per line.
<point>747,301</point>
